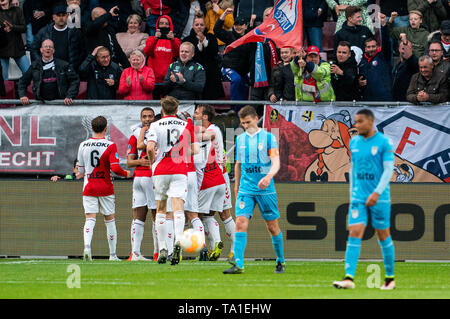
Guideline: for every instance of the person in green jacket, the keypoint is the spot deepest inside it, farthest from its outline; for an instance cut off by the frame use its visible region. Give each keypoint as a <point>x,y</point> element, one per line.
<point>415,33</point>
<point>312,77</point>
<point>433,12</point>
<point>340,7</point>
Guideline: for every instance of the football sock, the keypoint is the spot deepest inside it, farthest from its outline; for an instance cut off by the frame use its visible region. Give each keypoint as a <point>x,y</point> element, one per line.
<point>138,235</point>
<point>240,241</point>
<point>111,233</point>
<point>155,238</point>
<point>213,228</point>
<point>277,242</point>
<point>161,230</point>
<point>170,231</point>
<point>88,231</point>
<point>132,231</point>
<point>209,242</point>
<point>230,229</point>
<point>352,255</point>
<point>387,249</point>
<point>179,220</point>
<point>198,225</point>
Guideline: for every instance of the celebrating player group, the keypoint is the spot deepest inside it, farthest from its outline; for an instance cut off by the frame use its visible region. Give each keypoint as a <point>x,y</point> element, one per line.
<point>180,176</point>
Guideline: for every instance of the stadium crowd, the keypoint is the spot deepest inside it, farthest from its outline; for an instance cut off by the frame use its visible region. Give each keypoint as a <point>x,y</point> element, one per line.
<point>147,49</point>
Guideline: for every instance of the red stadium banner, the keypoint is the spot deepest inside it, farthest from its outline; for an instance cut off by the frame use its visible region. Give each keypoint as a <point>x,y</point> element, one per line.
<point>284,27</point>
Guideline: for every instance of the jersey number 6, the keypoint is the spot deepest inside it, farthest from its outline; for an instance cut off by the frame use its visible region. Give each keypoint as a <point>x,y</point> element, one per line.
<point>95,160</point>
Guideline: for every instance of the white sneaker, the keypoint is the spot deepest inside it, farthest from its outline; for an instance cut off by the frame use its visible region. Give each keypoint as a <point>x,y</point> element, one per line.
<point>139,257</point>
<point>114,258</point>
<point>344,284</point>
<point>87,255</point>
<point>390,286</point>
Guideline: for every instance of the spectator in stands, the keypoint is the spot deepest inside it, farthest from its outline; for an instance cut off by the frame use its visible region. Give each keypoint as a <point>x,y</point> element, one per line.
<point>403,71</point>
<point>446,4</point>
<point>282,80</point>
<point>433,12</point>
<point>102,74</point>
<point>38,13</point>
<point>154,9</point>
<point>13,23</point>
<point>124,10</point>
<point>415,33</point>
<point>436,51</point>
<point>246,8</point>
<point>235,64</point>
<point>185,78</point>
<point>312,77</point>
<point>428,86</point>
<point>206,54</point>
<point>138,81</point>
<point>443,35</point>
<point>314,14</point>
<point>99,32</point>
<point>52,78</point>
<point>340,6</point>
<point>399,6</point>
<point>69,44</point>
<point>133,39</point>
<point>344,78</point>
<point>214,10</point>
<point>161,49</point>
<point>375,79</point>
<point>352,31</point>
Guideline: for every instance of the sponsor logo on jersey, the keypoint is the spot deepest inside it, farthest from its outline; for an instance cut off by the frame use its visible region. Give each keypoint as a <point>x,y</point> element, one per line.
<point>253,169</point>
<point>365,176</point>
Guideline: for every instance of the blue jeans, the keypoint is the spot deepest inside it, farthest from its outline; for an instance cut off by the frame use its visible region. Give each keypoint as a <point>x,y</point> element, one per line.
<point>29,36</point>
<point>151,23</point>
<point>23,63</point>
<point>314,36</point>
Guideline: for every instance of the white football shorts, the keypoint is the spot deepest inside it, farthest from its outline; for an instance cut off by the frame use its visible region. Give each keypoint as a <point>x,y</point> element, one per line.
<point>211,199</point>
<point>143,194</point>
<point>227,202</point>
<point>166,186</point>
<point>99,204</point>
<point>191,202</point>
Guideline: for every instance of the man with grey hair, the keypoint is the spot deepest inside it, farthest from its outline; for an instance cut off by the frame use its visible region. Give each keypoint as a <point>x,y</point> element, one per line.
<point>427,86</point>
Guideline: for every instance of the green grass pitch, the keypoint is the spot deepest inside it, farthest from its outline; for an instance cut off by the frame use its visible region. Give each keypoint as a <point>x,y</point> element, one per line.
<point>48,279</point>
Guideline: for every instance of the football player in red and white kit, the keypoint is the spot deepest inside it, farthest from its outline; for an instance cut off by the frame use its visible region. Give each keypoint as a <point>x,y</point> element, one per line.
<point>97,157</point>
<point>170,141</point>
<point>225,215</point>
<point>143,195</point>
<point>209,164</point>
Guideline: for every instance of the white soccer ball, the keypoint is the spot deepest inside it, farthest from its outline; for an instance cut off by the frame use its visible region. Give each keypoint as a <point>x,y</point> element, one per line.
<point>192,241</point>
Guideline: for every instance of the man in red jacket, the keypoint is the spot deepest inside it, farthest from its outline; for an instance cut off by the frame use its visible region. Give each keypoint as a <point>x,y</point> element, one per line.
<point>162,49</point>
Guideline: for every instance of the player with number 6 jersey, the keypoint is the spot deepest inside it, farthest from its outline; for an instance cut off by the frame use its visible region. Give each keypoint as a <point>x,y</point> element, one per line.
<point>97,157</point>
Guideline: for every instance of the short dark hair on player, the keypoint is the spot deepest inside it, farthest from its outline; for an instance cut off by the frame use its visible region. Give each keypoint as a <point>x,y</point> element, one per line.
<point>99,124</point>
<point>147,108</point>
<point>208,110</point>
<point>351,10</point>
<point>246,111</point>
<point>169,105</point>
<point>366,112</point>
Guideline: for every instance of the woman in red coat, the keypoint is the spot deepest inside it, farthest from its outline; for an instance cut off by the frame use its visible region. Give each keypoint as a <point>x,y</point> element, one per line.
<point>138,81</point>
<point>162,49</point>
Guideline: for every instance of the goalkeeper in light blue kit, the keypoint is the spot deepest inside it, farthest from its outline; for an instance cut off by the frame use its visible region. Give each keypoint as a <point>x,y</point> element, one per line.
<point>257,162</point>
<point>372,164</point>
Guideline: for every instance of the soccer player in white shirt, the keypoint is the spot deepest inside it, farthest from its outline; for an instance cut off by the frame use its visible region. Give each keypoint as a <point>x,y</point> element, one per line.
<point>97,157</point>
<point>143,195</point>
<point>170,143</point>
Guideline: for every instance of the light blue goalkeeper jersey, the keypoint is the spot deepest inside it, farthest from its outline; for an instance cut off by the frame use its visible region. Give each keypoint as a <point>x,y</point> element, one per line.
<point>367,158</point>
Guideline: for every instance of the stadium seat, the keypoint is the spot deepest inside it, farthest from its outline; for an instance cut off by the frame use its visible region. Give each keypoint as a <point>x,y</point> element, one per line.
<point>82,91</point>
